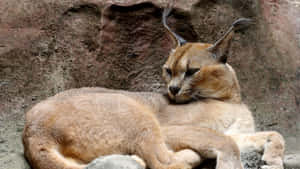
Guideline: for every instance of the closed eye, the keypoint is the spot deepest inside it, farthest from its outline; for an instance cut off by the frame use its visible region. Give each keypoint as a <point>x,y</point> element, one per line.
<point>191,71</point>
<point>169,71</point>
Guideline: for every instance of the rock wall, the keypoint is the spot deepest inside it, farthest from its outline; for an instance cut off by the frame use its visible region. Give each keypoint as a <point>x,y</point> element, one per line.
<point>47,46</point>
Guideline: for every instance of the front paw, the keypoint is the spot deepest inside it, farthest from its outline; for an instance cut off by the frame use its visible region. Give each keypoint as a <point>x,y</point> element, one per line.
<point>272,167</point>
<point>272,161</point>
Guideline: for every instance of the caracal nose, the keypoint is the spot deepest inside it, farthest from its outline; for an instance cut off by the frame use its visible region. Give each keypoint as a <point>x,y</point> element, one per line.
<point>174,90</point>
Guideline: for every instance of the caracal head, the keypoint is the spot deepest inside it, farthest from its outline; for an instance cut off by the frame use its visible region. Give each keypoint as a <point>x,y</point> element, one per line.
<point>199,70</point>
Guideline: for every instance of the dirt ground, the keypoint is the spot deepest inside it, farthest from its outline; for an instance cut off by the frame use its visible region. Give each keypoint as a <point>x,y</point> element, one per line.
<point>47,46</point>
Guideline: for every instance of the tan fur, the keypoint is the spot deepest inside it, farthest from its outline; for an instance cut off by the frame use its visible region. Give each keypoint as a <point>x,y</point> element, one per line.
<point>76,126</point>
<point>217,104</point>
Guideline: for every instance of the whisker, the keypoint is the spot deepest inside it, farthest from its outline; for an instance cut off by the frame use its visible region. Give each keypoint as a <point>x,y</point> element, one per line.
<point>187,91</point>
<point>197,96</point>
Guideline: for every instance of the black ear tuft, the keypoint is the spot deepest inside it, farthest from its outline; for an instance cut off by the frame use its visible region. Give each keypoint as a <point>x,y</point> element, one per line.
<point>223,58</point>
<point>221,47</point>
<point>178,39</point>
<point>241,24</point>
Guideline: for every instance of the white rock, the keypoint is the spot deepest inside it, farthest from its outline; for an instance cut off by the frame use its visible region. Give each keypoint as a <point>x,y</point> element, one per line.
<point>114,162</point>
<point>292,161</point>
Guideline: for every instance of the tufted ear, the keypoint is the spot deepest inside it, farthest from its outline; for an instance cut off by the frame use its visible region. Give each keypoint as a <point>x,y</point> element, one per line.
<point>178,39</point>
<point>221,47</point>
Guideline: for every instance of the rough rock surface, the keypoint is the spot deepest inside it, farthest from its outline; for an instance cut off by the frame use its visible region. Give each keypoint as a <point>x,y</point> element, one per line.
<point>47,46</point>
<point>251,159</point>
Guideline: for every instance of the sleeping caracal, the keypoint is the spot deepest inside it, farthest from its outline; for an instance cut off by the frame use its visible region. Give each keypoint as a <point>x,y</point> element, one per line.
<point>74,127</point>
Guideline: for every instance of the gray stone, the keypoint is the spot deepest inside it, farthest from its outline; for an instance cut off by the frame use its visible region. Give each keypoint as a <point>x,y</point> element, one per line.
<point>114,162</point>
<point>292,161</point>
<point>251,159</point>
<point>14,161</point>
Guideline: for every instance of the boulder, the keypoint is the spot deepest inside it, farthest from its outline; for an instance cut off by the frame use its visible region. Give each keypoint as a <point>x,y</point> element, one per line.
<point>114,162</point>
<point>292,161</point>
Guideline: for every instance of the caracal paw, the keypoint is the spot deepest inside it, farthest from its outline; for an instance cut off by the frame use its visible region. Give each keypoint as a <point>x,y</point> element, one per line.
<point>273,161</point>
<point>272,167</point>
<point>139,160</point>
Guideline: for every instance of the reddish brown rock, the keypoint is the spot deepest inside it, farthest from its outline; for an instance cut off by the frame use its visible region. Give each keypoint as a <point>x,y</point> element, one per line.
<point>47,46</point>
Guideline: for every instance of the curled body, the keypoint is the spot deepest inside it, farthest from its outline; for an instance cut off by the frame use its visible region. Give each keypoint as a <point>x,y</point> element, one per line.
<point>71,129</point>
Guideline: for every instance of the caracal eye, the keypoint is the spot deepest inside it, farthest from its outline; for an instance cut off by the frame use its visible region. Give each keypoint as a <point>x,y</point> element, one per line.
<point>191,71</point>
<point>169,71</point>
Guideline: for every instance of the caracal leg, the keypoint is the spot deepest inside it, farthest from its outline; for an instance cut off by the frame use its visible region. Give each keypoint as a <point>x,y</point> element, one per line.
<point>43,153</point>
<point>156,154</point>
<point>271,144</point>
<point>206,142</point>
<point>77,134</point>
